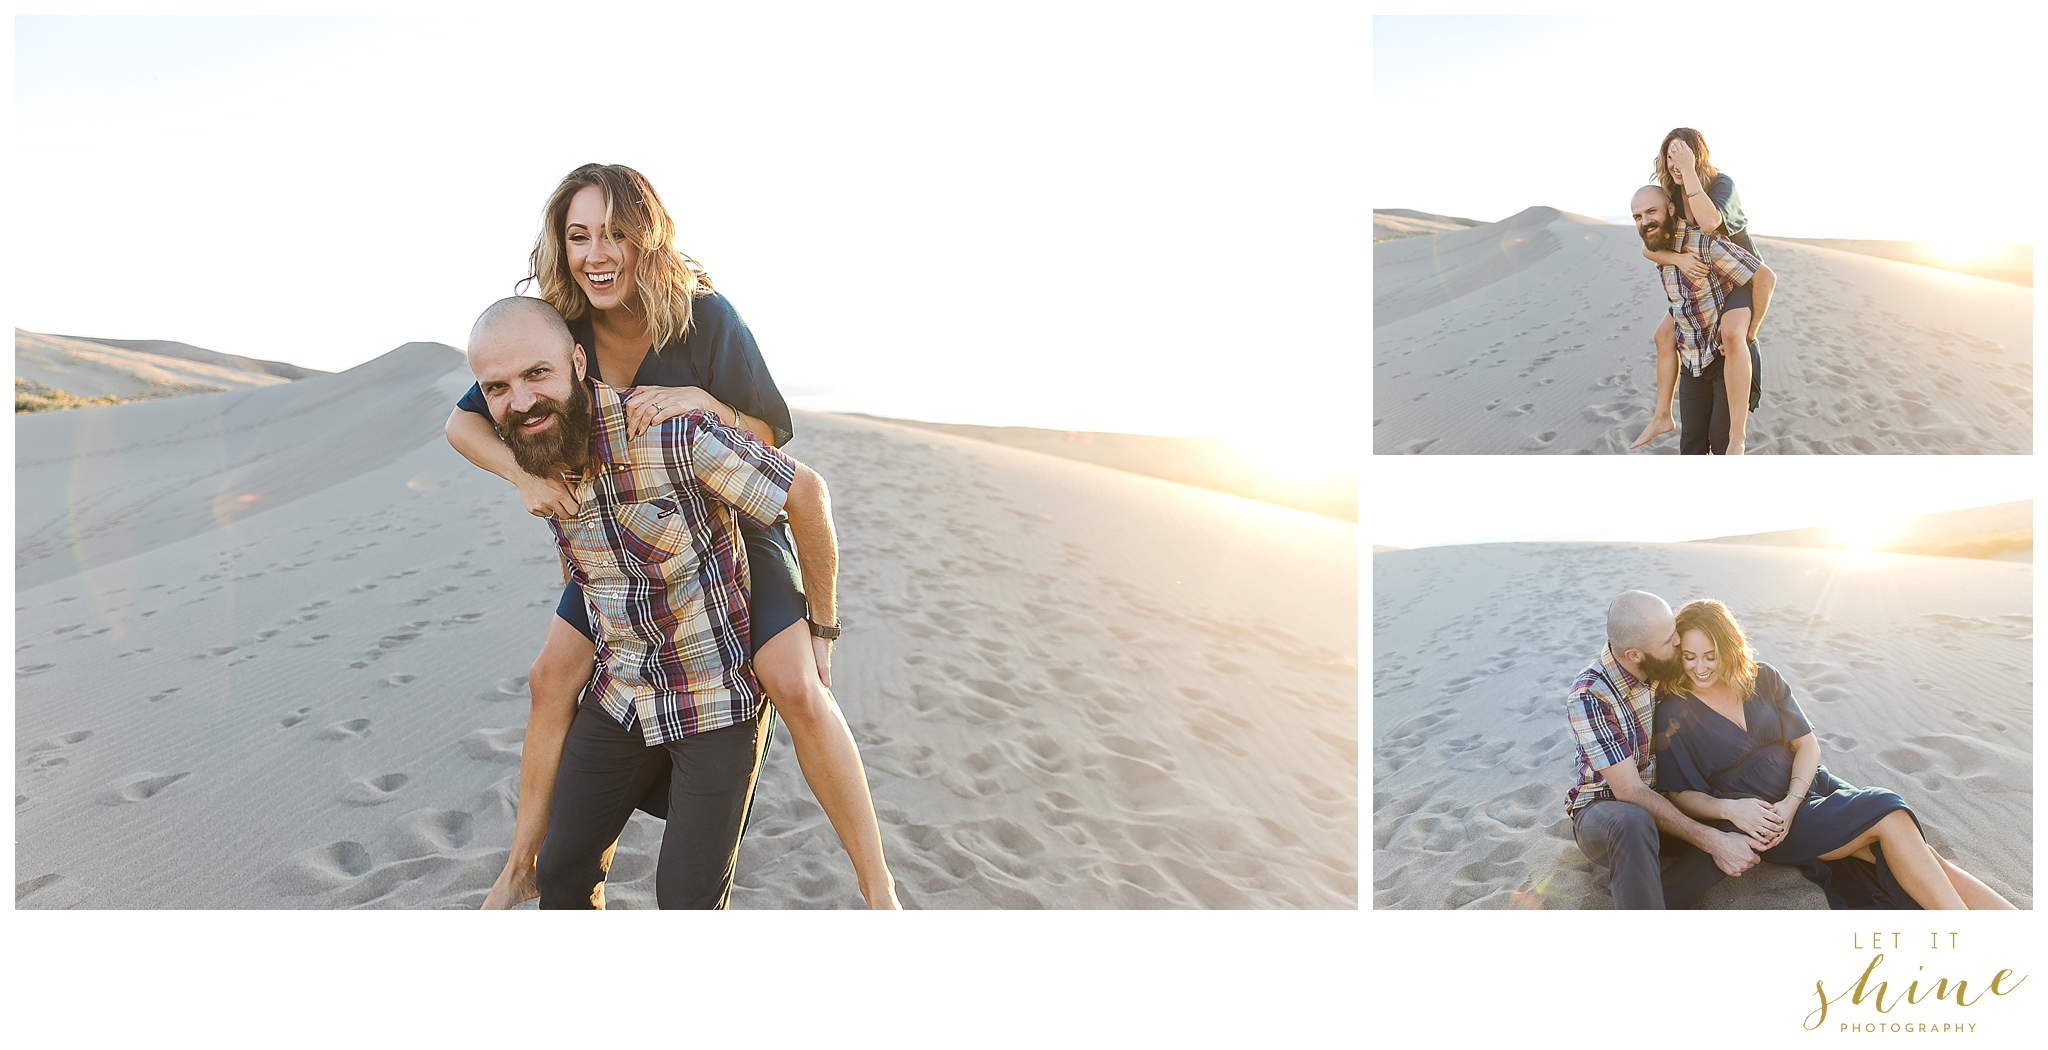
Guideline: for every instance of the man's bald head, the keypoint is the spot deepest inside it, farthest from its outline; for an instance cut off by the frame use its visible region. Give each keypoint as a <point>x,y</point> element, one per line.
<point>1639,620</point>
<point>524,321</point>
<point>1651,194</point>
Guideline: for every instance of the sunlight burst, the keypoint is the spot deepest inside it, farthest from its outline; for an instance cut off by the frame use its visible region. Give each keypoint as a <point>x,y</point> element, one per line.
<point>1866,532</point>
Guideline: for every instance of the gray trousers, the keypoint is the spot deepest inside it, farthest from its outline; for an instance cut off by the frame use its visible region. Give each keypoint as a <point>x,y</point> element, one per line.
<point>1622,837</point>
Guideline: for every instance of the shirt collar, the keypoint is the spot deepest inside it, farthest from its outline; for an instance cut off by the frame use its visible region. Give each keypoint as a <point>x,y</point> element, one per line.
<point>607,423</point>
<point>1618,674</point>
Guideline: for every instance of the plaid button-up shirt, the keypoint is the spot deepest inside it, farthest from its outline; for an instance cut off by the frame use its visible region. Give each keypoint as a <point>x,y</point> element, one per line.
<point>1696,308</point>
<point>658,552</point>
<point>1612,717</point>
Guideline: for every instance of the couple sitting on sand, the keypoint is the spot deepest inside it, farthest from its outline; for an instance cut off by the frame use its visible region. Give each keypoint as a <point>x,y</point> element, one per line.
<point>1681,730</point>
<point>1693,228</point>
<point>632,409</point>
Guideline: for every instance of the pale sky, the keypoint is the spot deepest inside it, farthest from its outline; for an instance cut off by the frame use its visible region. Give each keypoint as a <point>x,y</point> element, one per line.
<point>1418,501</point>
<point>1129,218</point>
<point>1858,125</point>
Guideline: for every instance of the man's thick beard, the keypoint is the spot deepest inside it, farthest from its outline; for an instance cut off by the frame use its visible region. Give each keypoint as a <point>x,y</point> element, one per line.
<point>1668,671</point>
<point>1665,234</point>
<point>566,445</point>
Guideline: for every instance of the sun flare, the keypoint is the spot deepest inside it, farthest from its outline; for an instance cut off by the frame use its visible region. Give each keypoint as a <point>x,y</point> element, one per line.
<point>1866,532</point>
<point>1962,249</point>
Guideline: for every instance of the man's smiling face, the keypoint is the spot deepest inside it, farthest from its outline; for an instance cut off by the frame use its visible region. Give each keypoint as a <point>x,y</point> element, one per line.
<point>534,389</point>
<point>1656,219</point>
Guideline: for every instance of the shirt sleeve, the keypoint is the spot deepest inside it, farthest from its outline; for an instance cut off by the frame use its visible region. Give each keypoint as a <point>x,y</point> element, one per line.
<point>723,351</point>
<point>751,478</point>
<point>1600,735</point>
<point>473,401</point>
<point>1774,688</point>
<point>1720,191</point>
<point>1728,257</point>
<point>1678,769</point>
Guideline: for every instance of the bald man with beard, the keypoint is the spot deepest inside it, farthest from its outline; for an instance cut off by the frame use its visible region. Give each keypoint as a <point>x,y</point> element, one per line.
<point>1616,814</point>
<point>1715,320</point>
<point>655,545</point>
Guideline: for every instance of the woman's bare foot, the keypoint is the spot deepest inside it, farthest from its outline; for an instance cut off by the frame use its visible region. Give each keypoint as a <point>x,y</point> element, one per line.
<point>1659,426</point>
<point>514,886</point>
<point>882,900</point>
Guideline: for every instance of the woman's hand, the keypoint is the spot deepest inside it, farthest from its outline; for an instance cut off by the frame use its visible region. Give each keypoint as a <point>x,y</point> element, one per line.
<point>1757,819</point>
<point>1692,266</point>
<point>1681,155</point>
<point>546,497</point>
<point>649,405</point>
<point>1786,808</point>
<point>821,650</point>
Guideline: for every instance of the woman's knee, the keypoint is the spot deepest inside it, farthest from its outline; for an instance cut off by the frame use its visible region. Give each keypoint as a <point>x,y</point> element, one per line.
<point>1899,824</point>
<point>564,664</point>
<point>795,690</point>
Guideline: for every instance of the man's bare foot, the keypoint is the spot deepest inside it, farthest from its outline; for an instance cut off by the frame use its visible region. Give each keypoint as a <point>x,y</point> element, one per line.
<point>514,886</point>
<point>1734,447</point>
<point>1659,426</point>
<point>883,900</point>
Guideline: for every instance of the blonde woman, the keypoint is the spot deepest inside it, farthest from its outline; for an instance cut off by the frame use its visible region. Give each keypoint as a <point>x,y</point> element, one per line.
<point>1735,751</point>
<point>1705,197</point>
<point>649,320</point>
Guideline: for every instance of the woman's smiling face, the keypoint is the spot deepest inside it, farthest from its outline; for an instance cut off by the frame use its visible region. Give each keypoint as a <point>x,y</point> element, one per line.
<point>601,260</point>
<point>1702,664</point>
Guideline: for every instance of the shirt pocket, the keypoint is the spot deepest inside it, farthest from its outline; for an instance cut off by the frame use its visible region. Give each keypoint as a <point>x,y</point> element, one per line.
<point>652,533</point>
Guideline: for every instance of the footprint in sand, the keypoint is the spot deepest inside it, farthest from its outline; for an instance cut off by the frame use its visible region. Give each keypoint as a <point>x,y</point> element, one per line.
<point>425,832</point>
<point>397,679</point>
<point>293,719</point>
<point>321,868</point>
<point>144,788</point>
<point>353,729</point>
<point>373,791</point>
<point>26,887</point>
<point>60,741</point>
<point>495,745</point>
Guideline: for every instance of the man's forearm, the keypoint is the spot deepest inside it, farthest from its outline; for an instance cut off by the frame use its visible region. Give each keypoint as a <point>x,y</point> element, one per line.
<point>473,436</point>
<point>1667,815</point>
<point>817,545</point>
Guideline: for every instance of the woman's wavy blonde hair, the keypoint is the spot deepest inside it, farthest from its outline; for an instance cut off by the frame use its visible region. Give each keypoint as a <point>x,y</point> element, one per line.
<point>665,281</point>
<point>1737,662</point>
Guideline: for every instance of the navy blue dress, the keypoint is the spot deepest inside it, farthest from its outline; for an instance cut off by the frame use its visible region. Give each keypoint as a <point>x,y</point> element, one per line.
<point>1699,749</point>
<point>718,355</point>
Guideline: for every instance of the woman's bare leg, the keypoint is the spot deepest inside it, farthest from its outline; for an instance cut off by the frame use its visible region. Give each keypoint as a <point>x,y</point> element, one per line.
<point>1666,341</point>
<point>1911,862</point>
<point>1976,895</point>
<point>556,680</point>
<point>1736,373</point>
<point>826,751</point>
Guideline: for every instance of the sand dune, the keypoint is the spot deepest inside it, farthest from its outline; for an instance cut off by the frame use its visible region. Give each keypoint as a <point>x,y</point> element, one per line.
<point>1916,672</point>
<point>1074,687</point>
<point>89,370</point>
<point>1394,223</point>
<point>1533,335</point>
<point>188,352</point>
<point>1975,532</point>
<point>1221,464</point>
<point>2011,263</point>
